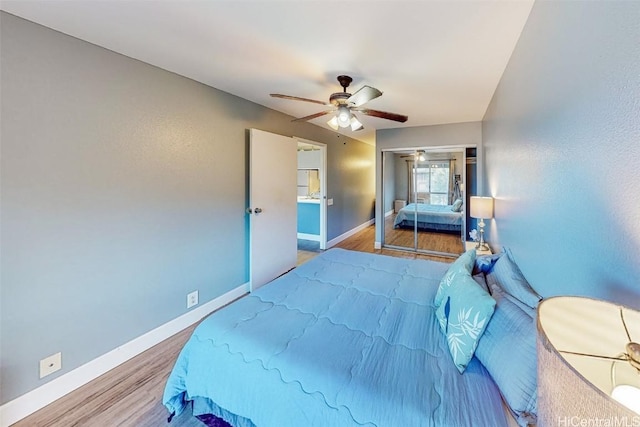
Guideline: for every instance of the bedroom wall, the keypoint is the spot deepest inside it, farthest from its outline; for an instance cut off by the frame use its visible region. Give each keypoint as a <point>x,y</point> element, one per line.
<point>562,143</point>
<point>448,135</point>
<point>400,178</point>
<point>123,188</point>
<point>389,184</point>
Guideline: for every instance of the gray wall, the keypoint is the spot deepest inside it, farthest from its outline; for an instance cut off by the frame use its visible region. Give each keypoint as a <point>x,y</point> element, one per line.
<point>400,182</point>
<point>390,178</point>
<point>562,144</point>
<point>123,188</point>
<point>456,134</point>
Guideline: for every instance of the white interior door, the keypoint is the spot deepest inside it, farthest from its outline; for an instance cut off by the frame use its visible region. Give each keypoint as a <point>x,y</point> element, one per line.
<point>272,206</point>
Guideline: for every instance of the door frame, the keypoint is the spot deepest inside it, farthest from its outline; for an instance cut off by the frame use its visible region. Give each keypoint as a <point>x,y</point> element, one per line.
<point>323,187</point>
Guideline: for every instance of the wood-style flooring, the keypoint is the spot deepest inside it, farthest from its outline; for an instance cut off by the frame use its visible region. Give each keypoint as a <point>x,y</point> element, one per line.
<point>444,242</point>
<point>131,394</point>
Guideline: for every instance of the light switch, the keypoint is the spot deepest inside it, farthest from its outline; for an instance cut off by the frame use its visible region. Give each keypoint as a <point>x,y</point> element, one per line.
<point>329,202</point>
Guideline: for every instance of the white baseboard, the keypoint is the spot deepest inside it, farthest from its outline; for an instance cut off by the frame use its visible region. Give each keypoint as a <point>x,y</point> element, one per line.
<point>28,403</point>
<point>388,213</point>
<point>349,233</point>
<point>305,236</point>
<point>377,245</point>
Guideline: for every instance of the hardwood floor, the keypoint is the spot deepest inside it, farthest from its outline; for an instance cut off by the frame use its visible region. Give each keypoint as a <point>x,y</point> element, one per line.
<point>131,394</point>
<point>363,242</point>
<point>427,240</point>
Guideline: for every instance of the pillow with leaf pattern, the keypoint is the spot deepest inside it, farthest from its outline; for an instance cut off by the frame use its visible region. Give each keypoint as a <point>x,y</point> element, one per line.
<point>462,265</point>
<point>463,316</point>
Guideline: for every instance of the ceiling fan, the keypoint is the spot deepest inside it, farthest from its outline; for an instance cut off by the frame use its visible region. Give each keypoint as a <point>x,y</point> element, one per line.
<point>345,104</point>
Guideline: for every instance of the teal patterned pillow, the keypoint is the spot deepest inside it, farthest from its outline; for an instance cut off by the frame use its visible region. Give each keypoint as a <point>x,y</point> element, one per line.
<point>464,264</point>
<point>463,316</point>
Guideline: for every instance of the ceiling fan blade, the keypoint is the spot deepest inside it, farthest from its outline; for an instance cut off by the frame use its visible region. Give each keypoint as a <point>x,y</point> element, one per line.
<point>364,95</point>
<point>312,116</point>
<point>297,98</point>
<point>383,114</point>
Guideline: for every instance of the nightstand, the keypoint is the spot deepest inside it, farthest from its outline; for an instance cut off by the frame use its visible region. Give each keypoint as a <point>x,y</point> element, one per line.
<point>471,245</point>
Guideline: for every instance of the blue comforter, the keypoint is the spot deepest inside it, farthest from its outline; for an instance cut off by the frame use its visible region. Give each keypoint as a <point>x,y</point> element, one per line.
<point>346,339</point>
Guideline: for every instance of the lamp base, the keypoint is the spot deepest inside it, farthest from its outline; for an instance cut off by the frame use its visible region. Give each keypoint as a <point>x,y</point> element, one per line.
<point>482,247</point>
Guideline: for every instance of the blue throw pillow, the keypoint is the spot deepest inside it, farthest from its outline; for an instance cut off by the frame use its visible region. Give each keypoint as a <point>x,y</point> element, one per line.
<point>506,273</point>
<point>464,264</point>
<point>482,281</point>
<point>457,205</point>
<point>494,290</point>
<point>507,350</point>
<point>484,263</point>
<point>463,316</point>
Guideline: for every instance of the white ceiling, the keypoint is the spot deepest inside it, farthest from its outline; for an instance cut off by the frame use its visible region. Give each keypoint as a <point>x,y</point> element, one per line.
<point>436,61</point>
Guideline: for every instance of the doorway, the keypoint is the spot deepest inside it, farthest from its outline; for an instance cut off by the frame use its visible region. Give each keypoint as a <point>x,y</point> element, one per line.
<point>424,201</point>
<point>312,190</point>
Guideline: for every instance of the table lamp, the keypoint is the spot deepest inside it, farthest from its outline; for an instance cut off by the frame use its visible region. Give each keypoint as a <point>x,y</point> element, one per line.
<point>588,363</point>
<point>481,208</point>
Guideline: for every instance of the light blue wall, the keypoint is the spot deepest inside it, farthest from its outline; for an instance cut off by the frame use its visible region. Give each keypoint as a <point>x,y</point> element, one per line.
<point>123,188</point>
<point>562,150</point>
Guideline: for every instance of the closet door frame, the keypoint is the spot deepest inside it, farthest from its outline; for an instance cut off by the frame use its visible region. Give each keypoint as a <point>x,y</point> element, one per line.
<point>386,153</point>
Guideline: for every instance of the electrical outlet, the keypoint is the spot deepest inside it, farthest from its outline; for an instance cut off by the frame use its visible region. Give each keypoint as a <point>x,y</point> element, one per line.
<point>50,364</point>
<point>192,299</point>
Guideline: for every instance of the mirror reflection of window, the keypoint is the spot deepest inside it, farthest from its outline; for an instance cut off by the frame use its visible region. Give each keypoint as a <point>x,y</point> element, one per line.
<point>432,183</point>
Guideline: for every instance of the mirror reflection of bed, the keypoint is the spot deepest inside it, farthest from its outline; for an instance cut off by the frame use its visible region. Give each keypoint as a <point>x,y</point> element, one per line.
<point>399,231</point>
<point>424,200</point>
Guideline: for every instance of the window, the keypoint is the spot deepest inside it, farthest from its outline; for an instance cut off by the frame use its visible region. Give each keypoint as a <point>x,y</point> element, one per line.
<point>432,179</point>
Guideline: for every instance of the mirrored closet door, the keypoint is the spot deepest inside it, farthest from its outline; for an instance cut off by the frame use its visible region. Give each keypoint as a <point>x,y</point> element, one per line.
<point>424,202</point>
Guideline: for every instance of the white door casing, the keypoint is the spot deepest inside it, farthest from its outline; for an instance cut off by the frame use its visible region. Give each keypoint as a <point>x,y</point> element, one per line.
<point>272,206</point>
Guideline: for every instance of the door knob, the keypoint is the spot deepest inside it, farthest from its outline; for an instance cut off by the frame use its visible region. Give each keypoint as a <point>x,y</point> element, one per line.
<point>258,210</point>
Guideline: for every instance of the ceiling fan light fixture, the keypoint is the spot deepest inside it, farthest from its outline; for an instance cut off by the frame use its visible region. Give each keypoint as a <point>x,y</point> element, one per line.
<point>343,116</point>
<point>355,124</point>
<point>343,102</point>
<point>333,123</point>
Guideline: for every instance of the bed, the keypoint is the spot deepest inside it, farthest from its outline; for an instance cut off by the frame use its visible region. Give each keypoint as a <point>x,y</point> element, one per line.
<point>346,339</point>
<point>430,217</point>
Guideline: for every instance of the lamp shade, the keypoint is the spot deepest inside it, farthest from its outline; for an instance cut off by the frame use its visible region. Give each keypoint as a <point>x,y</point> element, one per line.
<point>582,349</point>
<point>481,207</point>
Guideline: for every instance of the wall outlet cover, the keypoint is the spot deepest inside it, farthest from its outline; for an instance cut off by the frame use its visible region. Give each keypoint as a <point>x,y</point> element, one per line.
<point>50,364</point>
<point>192,299</point>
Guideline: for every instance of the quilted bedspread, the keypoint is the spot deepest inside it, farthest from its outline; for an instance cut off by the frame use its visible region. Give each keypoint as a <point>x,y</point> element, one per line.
<point>346,339</point>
